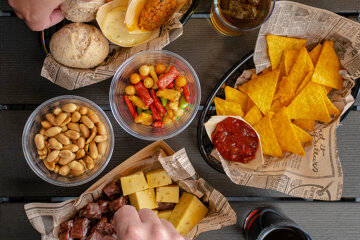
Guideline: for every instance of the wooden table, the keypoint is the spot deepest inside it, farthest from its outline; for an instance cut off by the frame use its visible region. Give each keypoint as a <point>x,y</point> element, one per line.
<point>211,54</point>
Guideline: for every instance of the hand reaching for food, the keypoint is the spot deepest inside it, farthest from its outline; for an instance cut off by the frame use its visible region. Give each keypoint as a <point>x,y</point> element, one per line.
<point>133,225</point>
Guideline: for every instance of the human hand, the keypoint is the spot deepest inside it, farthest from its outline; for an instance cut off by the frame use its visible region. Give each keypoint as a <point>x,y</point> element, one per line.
<point>143,225</point>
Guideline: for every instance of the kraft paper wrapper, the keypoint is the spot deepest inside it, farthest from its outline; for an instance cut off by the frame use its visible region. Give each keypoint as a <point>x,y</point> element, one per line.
<point>318,174</point>
<point>47,217</point>
<point>73,78</point>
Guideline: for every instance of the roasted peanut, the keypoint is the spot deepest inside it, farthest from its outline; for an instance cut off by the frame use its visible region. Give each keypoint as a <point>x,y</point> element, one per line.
<point>80,153</point>
<point>75,165</point>
<point>71,147</point>
<point>86,148</point>
<point>66,121</point>
<point>93,116</point>
<point>57,110</point>
<point>42,131</point>
<point>76,173</point>
<point>82,163</point>
<point>72,134</point>
<point>42,151</point>
<point>64,170</point>
<point>83,110</point>
<point>64,128</point>
<point>42,157</point>
<point>66,161</point>
<point>86,120</point>
<point>75,116</point>
<point>53,131</point>
<point>47,147</point>
<point>90,164</point>
<point>101,129</point>
<point>74,126</point>
<point>69,108</point>
<point>84,130</point>
<point>46,124</point>
<point>39,141</point>
<point>92,136</point>
<point>60,118</point>
<point>56,169</point>
<point>52,156</point>
<point>100,138</point>
<point>102,148</point>
<point>49,165</point>
<point>81,142</point>
<point>93,151</point>
<point>63,139</point>
<point>50,117</point>
<point>55,144</point>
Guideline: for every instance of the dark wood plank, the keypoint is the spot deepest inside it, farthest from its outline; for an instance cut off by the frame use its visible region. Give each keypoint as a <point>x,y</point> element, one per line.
<point>21,61</point>
<point>345,6</point>
<point>320,220</point>
<point>19,181</point>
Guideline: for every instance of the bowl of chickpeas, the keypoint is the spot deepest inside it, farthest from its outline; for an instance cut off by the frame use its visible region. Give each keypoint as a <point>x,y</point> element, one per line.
<point>68,140</point>
<point>155,95</point>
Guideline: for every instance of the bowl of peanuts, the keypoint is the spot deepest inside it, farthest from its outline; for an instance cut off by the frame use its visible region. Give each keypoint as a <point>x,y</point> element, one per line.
<point>155,95</point>
<point>68,140</point>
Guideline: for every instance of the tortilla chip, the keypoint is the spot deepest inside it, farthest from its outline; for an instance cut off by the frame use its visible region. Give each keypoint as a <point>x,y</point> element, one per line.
<point>243,87</point>
<point>253,116</point>
<point>305,124</point>
<point>330,106</point>
<point>250,104</point>
<point>290,56</point>
<point>302,135</point>
<point>301,68</point>
<point>309,104</point>
<point>282,66</point>
<point>261,90</point>
<point>285,88</point>
<point>327,89</point>
<point>305,82</point>
<point>275,106</point>
<point>269,143</point>
<point>224,107</point>
<point>266,70</point>
<point>315,53</point>
<point>233,95</point>
<point>327,68</point>
<point>285,133</point>
<point>277,45</point>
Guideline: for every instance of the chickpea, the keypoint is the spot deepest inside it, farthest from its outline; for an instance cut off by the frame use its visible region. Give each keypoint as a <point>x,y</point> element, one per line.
<point>135,78</point>
<point>130,90</point>
<point>160,69</point>
<point>148,82</point>
<point>143,77</point>
<point>180,81</point>
<point>144,70</point>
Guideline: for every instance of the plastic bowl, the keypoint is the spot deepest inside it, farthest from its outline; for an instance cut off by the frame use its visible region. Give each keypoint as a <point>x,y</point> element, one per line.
<point>121,80</point>
<point>33,126</point>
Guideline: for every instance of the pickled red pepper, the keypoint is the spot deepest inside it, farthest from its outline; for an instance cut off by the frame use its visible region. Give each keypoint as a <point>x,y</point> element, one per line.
<point>130,107</point>
<point>171,85</point>
<point>158,124</point>
<point>168,77</point>
<point>157,103</point>
<point>186,93</point>
<point>155,113</point>
<point>143,93</point>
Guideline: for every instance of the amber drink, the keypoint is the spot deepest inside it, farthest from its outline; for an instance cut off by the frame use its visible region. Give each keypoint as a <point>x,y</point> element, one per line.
<point>235,17</point>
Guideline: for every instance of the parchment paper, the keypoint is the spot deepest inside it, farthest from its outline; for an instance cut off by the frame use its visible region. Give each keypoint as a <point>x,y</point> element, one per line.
<point>73,78</point>
<point>47,217</point>
<point>318,174</point>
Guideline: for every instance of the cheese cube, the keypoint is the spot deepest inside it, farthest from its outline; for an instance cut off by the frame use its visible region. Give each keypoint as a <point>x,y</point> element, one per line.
<point>164,214</point>
<point>144,199</point>
<point>158,178</point>
<point>168,194</point>
<point>133,183</point>
<point>187,213</point>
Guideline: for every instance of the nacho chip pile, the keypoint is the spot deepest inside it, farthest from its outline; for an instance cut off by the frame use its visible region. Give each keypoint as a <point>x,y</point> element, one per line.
<point>283,102</point>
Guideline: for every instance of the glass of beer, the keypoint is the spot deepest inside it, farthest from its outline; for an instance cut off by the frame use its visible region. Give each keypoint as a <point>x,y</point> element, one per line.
<point>235,17</point>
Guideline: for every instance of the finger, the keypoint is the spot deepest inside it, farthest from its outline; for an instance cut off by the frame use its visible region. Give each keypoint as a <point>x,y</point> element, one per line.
<point>147,215</point>
<point>55,17</point>
<point>18,14</point>
<point>125,215</point>
<point>168,225</point>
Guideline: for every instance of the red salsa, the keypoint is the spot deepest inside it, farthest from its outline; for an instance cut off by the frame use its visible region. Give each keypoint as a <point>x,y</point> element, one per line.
<point>235,140</point>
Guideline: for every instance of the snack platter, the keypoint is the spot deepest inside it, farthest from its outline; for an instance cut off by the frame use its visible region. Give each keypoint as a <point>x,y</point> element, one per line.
<point>229,79</point>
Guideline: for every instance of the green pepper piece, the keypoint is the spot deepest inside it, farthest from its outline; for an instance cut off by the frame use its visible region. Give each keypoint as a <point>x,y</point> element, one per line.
<point>139,110</point>
<point>177,118</point>
<point>148,112</point>
<point>163,101</point>
<point>183,104</point>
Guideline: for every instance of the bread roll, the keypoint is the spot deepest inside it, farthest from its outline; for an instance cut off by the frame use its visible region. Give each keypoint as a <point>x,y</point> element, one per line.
<point>79,45</point>
<point>80,11</point>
